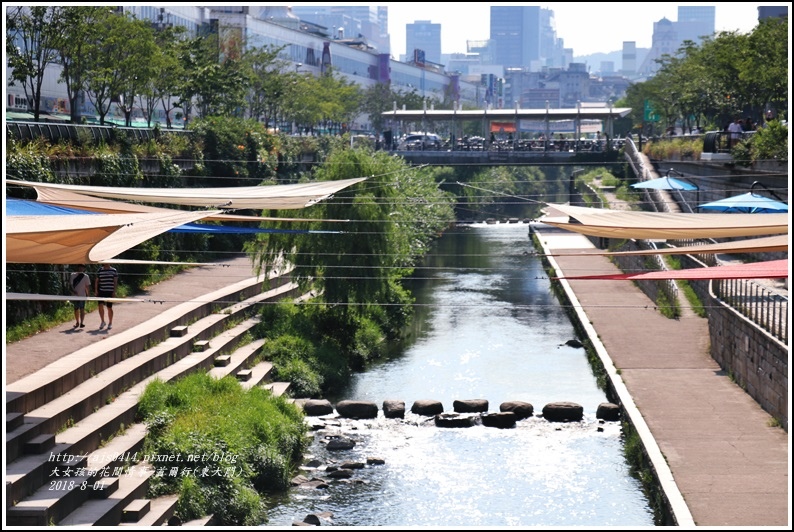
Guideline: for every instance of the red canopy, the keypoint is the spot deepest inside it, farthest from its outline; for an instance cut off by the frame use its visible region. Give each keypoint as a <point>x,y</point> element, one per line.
<point>772,269</point>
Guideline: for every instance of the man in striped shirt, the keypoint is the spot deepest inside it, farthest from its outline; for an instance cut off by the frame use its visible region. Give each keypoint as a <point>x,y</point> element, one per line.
<point>107,279</point>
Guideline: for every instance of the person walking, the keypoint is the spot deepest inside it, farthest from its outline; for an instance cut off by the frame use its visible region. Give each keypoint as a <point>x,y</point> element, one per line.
<point>81,287</point>
<point>107,280</point>
<point>735,129</point>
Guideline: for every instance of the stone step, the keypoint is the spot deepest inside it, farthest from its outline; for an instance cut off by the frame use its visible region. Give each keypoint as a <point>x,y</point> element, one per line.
<point>87,435</point>
<point>14,420</point>
<point>222,361</point>
<point>244,374</point>
<point>259,374</point>
<point>27,474</point>
<point>82,399</point>
<point>101,426</point>
<point>98,391</point>
<point>108,511</point>
<point>105,487</point>
<point>40,444</point>
<point>51,503</point>
<point>161,510</point>
<point>241,357</point>
<point>179,330</point>
<point>201,345</point>
<point>278,388</point>
<point>136,510</point>
<point>33,391</point>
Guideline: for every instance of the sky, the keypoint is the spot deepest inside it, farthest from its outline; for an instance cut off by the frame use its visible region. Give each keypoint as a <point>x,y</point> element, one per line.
<point>587,27</point>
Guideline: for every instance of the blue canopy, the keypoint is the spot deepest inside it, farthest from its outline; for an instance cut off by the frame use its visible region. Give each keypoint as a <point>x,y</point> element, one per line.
<point>665,183</point>
<point>20,207</point>
<point>749,202</point>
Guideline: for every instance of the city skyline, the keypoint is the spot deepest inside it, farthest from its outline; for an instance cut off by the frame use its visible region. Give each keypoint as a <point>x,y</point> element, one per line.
<point>574,22</point>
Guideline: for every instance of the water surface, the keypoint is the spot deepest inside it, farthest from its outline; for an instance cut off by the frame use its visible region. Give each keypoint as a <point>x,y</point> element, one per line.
<point>487,327</point>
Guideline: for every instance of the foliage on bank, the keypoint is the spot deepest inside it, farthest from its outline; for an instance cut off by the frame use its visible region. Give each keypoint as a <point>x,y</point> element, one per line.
<point>354,268</point>
<point>709,84</point>
<point>220,446</point>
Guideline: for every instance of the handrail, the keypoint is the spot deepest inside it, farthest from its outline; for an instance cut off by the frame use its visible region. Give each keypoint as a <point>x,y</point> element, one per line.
<point>764,307</point>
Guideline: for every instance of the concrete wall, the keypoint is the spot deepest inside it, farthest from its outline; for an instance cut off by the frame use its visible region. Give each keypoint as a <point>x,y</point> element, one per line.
<point>756,361</point>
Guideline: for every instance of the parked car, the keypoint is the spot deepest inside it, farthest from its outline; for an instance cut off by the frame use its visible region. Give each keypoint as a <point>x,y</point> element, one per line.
<point>428,141</point>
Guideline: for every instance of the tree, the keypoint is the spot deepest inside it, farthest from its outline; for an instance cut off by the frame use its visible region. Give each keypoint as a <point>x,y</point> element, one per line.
<point>34,35</point>
<point>764,66</point>
<point>167,86</point>
<point>218,88</point>
<point>394,214</point>
<point>117,59</point>
<point>376,100</point>
<point>264,70</point>
<point>138,69</point>
<point>81,24</point>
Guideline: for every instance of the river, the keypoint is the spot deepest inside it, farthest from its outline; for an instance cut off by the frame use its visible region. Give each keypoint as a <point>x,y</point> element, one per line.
<point>487,327</point>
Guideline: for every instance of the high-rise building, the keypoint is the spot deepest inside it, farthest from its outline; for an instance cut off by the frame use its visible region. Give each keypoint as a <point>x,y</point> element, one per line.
<point>516,35</point>
<point>663,42</point>
<point>695,22</point>
<point>772,11</point>
<point>369,22</point>
<point>425,36</point>
<point>629,58</point>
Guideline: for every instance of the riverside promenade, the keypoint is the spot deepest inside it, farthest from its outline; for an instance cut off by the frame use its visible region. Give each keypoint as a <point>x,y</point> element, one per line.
<point>720,462</point>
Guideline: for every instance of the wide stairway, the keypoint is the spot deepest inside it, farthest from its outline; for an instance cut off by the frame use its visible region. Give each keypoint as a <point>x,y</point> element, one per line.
<point>73,443</point>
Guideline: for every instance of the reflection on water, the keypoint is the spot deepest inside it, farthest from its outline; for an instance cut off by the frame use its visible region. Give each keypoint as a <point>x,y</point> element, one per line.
<point>488,327</point>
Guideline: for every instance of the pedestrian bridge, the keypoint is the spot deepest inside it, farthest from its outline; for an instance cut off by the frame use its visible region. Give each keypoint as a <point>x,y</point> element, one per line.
<point>508,156</point>
<point>511,146</point>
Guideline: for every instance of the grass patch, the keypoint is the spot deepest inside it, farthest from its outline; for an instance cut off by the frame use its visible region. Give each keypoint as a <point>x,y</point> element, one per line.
<point>224,445</point>
<point>641,468</point>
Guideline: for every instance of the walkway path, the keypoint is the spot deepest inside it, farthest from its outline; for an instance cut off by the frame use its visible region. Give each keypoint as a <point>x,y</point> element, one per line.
<point>716,446</point>
<point>30,355</point>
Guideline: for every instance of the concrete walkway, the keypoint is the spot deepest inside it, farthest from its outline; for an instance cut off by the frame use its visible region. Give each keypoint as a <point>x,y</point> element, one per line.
<point>720,461</point>
<point>32,354</point>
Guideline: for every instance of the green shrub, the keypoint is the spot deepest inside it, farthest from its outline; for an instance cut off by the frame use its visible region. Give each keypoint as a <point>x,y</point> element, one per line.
<point>192,503</point>
<point>368,342</point>
<point>222,442</point>
<point>304,380</point>
<point>770,142</point>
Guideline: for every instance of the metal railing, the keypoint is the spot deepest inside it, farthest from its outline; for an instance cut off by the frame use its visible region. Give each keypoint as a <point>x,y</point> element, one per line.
<point>55,132</point>
<point>765,307</point>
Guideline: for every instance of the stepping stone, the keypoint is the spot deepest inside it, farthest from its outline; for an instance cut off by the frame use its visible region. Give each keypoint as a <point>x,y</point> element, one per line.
<point>179,330</point>
<point>244,374</point>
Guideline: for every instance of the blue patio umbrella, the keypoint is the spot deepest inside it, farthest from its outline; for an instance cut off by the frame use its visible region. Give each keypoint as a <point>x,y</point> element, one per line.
<point>665,183</point>
<point>749,202</point>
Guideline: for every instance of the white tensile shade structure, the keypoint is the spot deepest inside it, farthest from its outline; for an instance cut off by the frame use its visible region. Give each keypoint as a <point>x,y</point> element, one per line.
<point>662,225</point>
